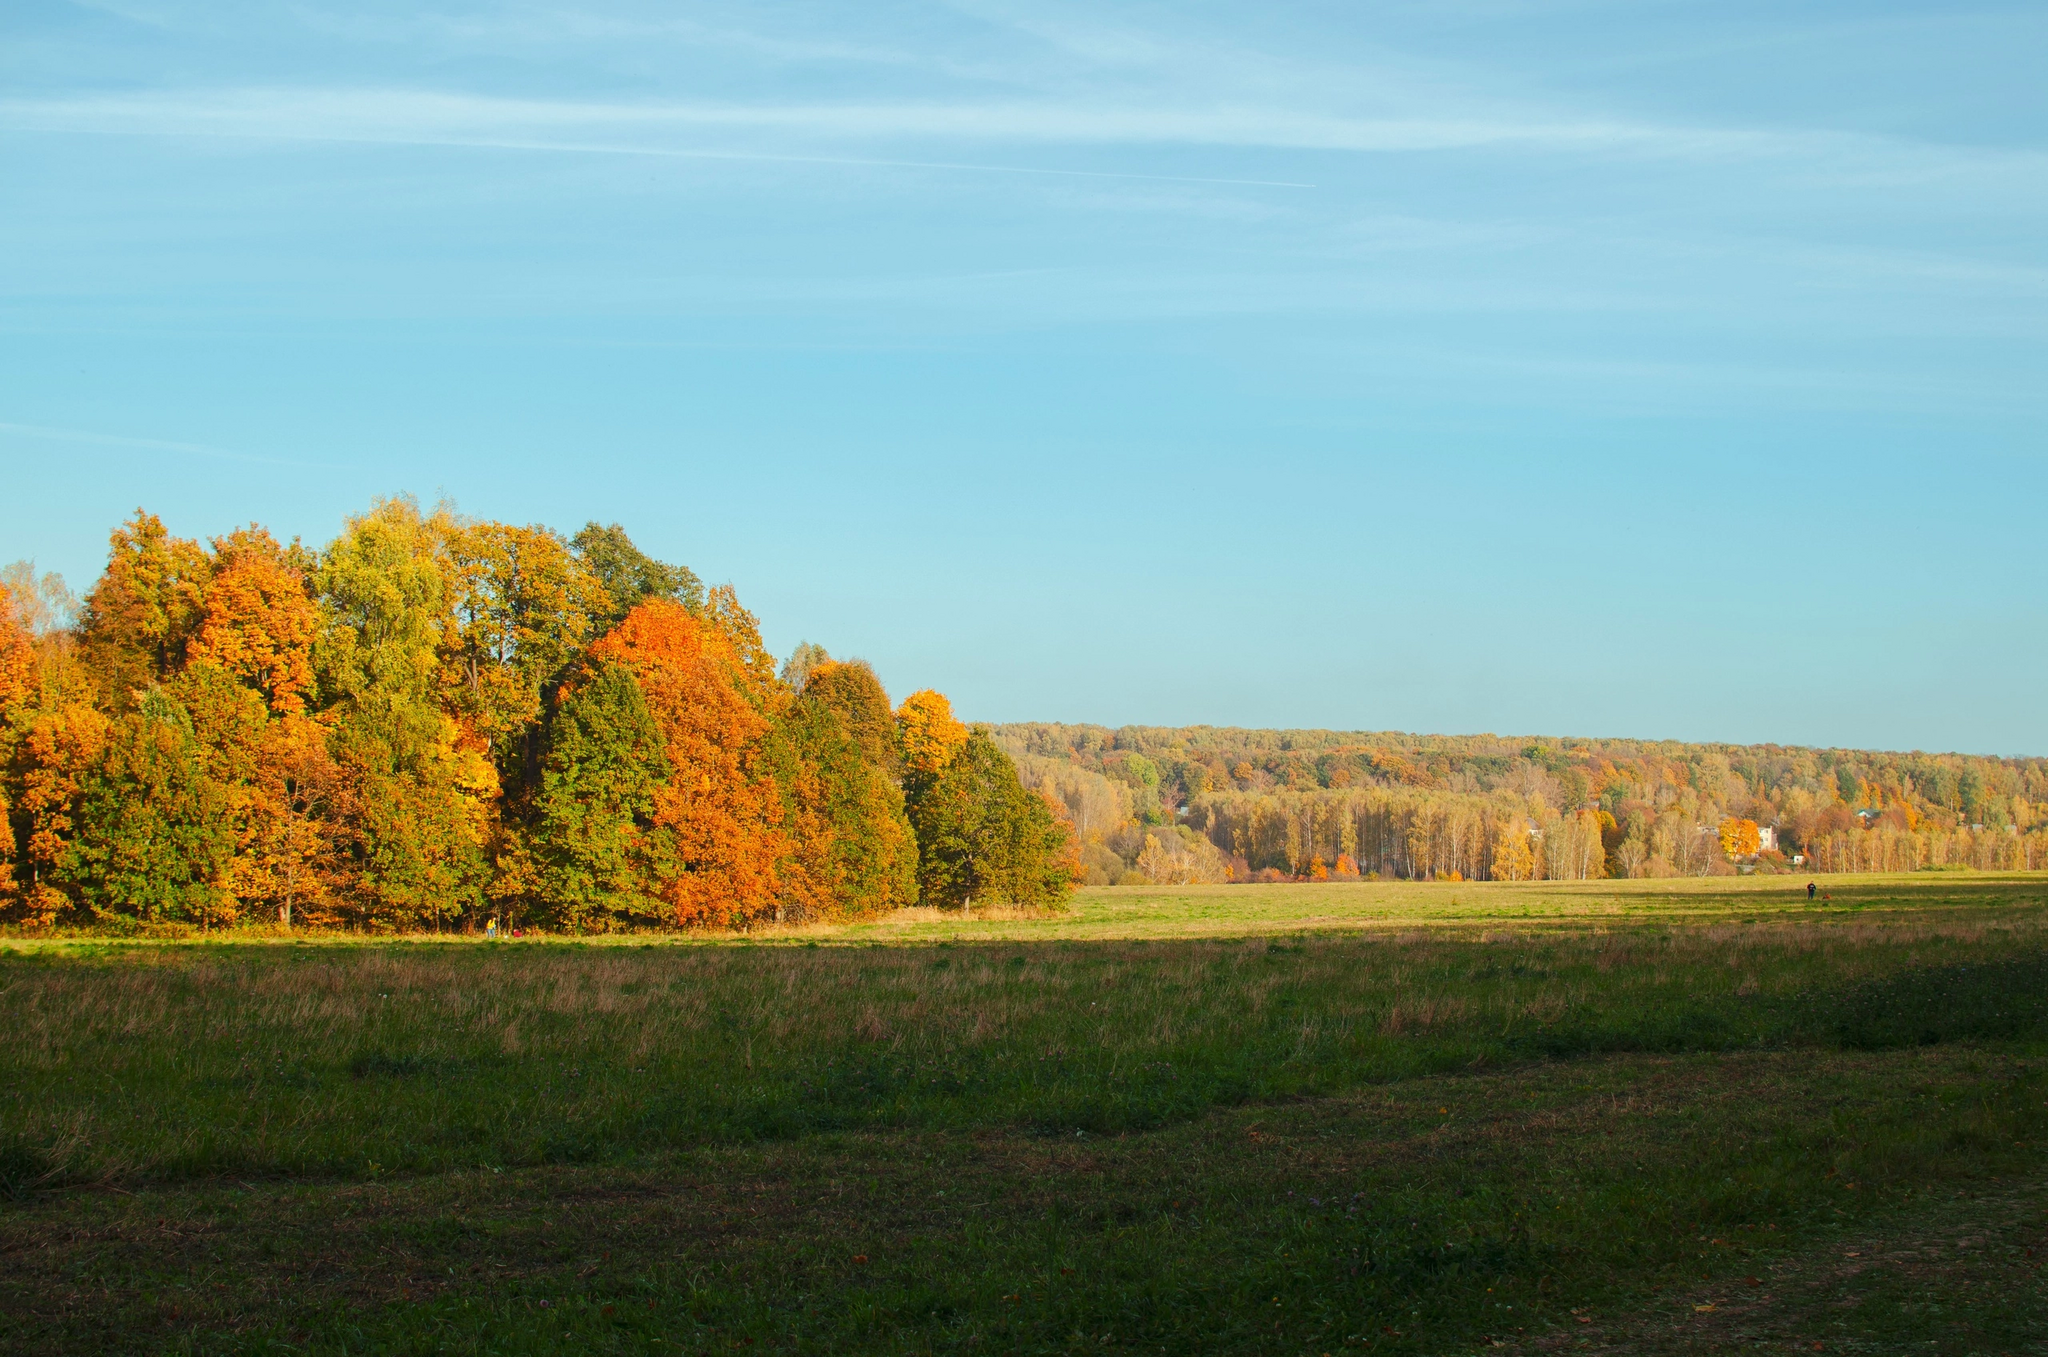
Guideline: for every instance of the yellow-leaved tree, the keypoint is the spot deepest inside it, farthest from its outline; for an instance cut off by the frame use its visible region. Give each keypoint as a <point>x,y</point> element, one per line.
<point>1513,859</point>
<point>1740,838</point>
<point>930,734</point>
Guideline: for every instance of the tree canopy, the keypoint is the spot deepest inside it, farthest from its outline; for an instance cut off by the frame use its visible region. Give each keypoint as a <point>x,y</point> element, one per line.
<point>434,720</point>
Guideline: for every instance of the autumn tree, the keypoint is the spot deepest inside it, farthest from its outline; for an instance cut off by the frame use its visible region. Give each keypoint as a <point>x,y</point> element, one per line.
<point>1513,859</point>
<point>928,733</point>
<point>256,619</point>
<point>388,615</point>
<point>1740,838</point>
<point>741,631</point>
<point>17,664</point>
<point>1572,848</point>
<point>720,806</point>
<point>523,606</point>
<point>852,852</point>
<point>1176,855</point>
<point>56,746</point>
<point>221,637</point>
<point>41,604</point>
<point>853,692</point>
<point>296,835</point>
<point>249,683</point>
<point>1633,855</point>
<point>17,653</point>
<point>51,736</point>
<point>413,804</point>
<point>802,663</point>
<point>145,609</point>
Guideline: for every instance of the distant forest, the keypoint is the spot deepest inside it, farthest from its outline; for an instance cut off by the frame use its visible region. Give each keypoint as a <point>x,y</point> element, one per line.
<point>442,722</point>
<point>1204,803</point>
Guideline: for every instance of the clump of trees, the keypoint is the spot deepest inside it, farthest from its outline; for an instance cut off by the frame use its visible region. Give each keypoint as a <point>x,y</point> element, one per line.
<point>1305,804</point>
<point>437,719</point>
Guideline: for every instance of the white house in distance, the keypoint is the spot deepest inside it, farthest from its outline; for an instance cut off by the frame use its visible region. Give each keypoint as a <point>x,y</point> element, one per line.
<point>1767,838</point>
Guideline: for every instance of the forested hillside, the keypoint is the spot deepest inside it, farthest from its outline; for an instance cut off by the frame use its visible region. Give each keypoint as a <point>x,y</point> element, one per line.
<point>1204,803</point>
<point>436,720</point>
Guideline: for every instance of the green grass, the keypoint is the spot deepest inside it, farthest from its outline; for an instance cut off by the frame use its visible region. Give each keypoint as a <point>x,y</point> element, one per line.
<point>1252,1119</point>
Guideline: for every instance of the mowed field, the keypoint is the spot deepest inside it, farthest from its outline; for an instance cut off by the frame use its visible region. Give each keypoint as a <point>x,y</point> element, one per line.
<point>1693,1116</point>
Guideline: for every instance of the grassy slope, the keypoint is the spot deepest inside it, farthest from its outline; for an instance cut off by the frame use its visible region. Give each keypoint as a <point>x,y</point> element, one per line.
<point>1239,1119</point>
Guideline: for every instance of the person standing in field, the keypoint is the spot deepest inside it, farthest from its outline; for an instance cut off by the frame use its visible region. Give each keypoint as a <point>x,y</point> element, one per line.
<point>1810,889</point>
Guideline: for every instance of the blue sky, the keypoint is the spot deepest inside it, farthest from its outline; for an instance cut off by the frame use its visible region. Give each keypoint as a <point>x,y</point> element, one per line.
<point>1652,368</point>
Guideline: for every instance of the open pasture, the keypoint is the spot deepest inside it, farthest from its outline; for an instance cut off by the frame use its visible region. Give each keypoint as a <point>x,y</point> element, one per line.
<point>1382,1117</point>
<point>1126,913</point>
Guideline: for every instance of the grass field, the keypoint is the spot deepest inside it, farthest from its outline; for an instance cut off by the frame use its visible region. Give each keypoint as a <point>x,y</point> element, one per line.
<point>1387,1117</point>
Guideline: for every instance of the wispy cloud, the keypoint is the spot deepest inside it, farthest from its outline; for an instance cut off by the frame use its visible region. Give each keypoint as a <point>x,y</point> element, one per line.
<point>555,25</point>
<point>45,434</point>
<point>414,115</point>
<point>826,132</point>
<point>440,120</point>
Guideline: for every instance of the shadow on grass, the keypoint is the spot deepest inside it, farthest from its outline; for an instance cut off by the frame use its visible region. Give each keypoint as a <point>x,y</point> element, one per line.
<point>25,1169</point>
<point>1988,1001</point>
<point>2004,1000</point>
<point>1228,1025</point>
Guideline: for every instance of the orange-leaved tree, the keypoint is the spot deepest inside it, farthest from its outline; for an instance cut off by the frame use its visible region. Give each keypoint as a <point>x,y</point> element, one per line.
<point>1740,838</point>
<point>17,653</point>
<point>17,661</point>
<point>257,619</point>
<point>59,745</point>
<point>259,625</point>
<point>720,805</point>
<point>51,736</point>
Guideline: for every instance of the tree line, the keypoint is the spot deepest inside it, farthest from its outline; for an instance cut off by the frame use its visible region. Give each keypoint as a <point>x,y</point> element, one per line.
<point>436,720</point>
<point>1212,803</point>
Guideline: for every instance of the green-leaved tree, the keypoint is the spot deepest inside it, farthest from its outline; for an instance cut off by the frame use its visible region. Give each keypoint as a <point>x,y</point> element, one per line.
<point>630,576</point>
<point>982,836</point>
<point>153,836</point>
<point>418,790</point>
<point>852,851</point>
<point>600,855</point>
